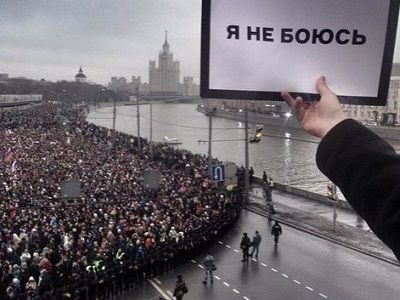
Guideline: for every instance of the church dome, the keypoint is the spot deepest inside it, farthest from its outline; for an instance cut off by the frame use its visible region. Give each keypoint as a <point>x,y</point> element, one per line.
<point>80,77</point>
<point>80,74</point>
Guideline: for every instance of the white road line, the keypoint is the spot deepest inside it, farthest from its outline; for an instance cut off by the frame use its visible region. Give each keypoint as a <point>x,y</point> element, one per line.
<point>157,281</point>
<point>170,293</point>
<point>264,265</point>
<point>298,282</point>
<point>275,270</point>
<point>167,295</point>
<point>200,266</point>
<point>245,298</point>
<point>216,277</point>
<point>284,275</point>
<point>236,291</point>
<point>236,250</point>
<point>310,289</point>
<point>227,284</point>
<point>220,242</point>
<point>193,261</point>
<point>323,296</point>
<point>227,246</point>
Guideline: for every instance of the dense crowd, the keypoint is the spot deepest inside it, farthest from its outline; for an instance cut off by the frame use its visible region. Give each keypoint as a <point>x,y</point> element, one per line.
<point>120,232</point>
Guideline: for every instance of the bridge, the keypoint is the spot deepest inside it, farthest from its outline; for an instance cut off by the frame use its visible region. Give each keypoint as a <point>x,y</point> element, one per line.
<point>172,99</point>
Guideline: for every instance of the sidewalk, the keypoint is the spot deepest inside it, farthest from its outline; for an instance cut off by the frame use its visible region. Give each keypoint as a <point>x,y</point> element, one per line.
<point>316,218</point>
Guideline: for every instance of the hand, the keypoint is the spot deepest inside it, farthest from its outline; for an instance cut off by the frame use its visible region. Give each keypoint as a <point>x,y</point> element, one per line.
<point>317,117</point>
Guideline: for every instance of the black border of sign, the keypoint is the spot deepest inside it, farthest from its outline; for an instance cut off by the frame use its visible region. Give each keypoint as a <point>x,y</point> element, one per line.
<point>380,100</point>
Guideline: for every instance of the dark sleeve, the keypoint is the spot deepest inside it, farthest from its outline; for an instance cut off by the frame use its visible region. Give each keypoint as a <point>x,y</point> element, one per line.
<point>367,171</point>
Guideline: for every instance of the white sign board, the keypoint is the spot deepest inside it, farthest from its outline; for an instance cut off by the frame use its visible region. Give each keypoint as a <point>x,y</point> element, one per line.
<point>254,49</point>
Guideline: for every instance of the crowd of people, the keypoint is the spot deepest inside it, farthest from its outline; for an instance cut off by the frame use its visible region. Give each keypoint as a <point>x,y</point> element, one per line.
<point>120,231</point>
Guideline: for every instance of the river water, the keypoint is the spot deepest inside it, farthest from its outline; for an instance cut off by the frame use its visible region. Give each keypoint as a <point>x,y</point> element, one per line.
<point>286,154</point>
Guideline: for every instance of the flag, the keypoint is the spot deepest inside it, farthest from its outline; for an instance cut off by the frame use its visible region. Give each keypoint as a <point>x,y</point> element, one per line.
<point>14,166</point>
<point>9,155</point>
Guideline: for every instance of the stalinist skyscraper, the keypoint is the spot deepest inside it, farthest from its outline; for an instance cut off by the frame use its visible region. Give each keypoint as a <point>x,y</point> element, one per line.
<point>164,79</point>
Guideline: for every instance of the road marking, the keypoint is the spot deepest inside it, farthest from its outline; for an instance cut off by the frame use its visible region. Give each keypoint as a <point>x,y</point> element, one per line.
<point>284,275</point>
<point>193,261</point>
<point>264,265</point>
<point>310,289</point>
<point>236,250</point>
<point>272,269</point>
<point>167,295</point>
<point>245,298</point>
<point>200,266</point>
<point>170,293</point>
<point>157,281</point>
<point>227,284</point>
<point>236,291</point>
<point>220,242</point>
<point>227,246</point>
<point>323,296</point>
<point>298,282</point>
<point>216,277</point>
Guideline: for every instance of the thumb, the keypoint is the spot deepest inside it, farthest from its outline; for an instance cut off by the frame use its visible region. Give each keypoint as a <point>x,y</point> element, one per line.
<point>322,87</point>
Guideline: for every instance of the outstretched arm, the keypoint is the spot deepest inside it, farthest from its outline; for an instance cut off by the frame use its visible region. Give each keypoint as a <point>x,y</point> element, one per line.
<point>317,117</point>
<point>364,166</point>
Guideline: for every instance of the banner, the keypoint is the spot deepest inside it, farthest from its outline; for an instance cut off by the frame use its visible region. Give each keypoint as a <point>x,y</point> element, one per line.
<point>254,49</point>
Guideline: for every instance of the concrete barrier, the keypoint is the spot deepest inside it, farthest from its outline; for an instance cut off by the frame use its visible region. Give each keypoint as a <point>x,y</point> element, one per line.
<point>306,194</point>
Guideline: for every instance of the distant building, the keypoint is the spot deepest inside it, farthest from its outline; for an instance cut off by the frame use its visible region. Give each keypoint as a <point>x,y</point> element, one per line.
<point>189,88</point>
<point>80,77</point>
<point>3,76</point>
<point>118,84</point>
<point>164,79</point>
<point>387,115</point>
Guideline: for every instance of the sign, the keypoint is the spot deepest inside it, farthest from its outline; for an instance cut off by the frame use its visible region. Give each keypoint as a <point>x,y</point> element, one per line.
<point>71,189</point>
<point>254,49</point>
<point>231,174</point>
<point>152,179</point>
<point>218,173</point>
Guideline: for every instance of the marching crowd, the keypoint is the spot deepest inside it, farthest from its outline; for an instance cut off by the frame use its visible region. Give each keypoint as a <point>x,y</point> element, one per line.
<point>120,232</point>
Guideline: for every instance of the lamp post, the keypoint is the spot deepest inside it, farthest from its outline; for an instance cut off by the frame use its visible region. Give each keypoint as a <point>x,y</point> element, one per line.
<point>138,117</point>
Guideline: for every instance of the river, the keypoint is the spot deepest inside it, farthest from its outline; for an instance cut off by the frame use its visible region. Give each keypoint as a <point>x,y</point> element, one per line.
<point>286,154</point>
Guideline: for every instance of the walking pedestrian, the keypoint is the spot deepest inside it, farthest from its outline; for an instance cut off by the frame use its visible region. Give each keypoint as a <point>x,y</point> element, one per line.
<point>256,244</point>
<point>180,288</point>
<point>245,245</point>
<point>209,267</point>
<point>276,231</point>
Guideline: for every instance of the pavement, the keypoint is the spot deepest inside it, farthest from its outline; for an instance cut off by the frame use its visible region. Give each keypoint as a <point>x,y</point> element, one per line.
<point>317,218</point>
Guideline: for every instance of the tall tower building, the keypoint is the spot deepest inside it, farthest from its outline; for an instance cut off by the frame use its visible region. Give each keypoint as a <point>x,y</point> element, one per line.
<point>164,79</point>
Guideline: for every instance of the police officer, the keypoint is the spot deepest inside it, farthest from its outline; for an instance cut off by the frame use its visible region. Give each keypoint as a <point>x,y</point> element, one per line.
<point>276,231</point>
<point>245,245</point>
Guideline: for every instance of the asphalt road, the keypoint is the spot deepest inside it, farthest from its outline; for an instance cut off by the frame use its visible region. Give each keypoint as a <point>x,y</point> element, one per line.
<point>301,267</point>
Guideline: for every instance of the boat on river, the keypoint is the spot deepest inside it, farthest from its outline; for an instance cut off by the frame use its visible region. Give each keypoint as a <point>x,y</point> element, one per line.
<point>171,141</point>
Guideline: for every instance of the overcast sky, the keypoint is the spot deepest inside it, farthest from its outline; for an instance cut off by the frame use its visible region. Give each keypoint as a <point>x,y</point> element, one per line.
<point>51,38</point>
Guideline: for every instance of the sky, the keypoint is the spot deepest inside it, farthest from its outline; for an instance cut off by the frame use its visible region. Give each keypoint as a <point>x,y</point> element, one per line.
<point>51,39</point>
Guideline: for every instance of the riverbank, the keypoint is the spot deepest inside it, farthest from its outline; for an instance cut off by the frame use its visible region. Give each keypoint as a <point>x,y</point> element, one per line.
<point>389,133</point>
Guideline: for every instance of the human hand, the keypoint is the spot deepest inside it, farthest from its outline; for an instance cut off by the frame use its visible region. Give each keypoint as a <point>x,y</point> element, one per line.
<point>317,117</point>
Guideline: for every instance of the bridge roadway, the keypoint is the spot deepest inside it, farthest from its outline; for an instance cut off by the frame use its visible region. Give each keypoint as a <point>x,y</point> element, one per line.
<point>301,267</point>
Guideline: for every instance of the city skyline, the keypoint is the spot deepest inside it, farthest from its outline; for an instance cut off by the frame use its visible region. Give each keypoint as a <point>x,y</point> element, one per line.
<point>106,38</point>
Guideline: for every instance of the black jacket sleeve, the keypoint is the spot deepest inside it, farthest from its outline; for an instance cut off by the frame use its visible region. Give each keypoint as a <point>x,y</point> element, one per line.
<point>367,171</point>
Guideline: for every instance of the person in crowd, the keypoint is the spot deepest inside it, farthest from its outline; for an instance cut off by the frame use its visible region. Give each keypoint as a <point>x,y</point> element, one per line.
<point>119,232</point>
<point>180,288</point>
<point>245,244</point>
<point>360,163</point>
<point>209,267</point>
<point>276,231</point>
<point>256,244</point>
